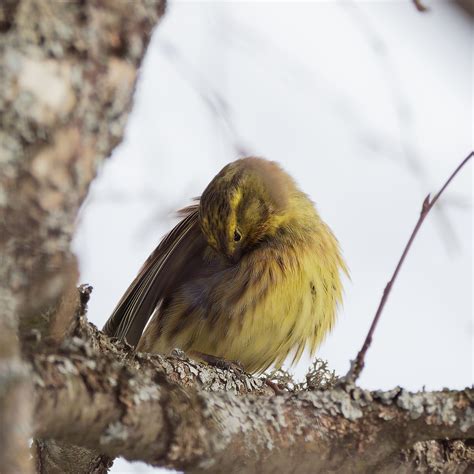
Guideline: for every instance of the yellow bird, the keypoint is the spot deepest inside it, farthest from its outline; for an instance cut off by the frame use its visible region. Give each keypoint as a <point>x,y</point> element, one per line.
<point>250,274</point>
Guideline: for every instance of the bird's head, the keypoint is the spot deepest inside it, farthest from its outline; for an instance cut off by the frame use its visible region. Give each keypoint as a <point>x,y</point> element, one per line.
<point>243,205</point>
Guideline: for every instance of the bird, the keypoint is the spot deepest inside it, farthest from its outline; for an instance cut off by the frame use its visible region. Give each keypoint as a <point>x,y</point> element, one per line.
<point>251,273</point>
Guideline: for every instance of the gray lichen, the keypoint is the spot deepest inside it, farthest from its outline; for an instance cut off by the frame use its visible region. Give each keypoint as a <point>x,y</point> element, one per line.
<point>318,377</point>
<point>413,404</point>
<point>468,421</point>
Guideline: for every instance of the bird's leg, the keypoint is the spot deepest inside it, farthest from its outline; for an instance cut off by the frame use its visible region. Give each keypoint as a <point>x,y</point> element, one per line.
<point>275,387</point>
<point>218,362</point>
<point>236,365</point>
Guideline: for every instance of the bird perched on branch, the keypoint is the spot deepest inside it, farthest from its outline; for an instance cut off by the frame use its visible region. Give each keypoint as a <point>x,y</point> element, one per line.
<point>251,273</point>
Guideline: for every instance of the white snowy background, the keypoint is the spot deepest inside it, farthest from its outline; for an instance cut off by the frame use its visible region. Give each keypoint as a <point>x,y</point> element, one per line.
<point>369,105</point>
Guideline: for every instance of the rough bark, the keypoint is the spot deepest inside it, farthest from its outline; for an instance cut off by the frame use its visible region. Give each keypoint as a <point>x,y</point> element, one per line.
<point>174,412</point>
<point>67,74</point>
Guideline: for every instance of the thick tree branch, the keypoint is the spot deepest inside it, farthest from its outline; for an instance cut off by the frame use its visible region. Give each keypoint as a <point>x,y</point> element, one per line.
<point>124,404</point>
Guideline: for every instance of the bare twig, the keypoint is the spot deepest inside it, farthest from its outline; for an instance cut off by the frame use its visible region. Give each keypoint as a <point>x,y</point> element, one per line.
<point>420,7</point>
<point>358,364</point>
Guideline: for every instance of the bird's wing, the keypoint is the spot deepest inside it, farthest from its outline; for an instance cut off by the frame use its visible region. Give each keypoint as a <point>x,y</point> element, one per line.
<point>162,270</point>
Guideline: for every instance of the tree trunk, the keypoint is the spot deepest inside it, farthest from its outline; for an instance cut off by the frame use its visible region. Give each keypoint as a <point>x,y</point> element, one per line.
<point>68,72</point>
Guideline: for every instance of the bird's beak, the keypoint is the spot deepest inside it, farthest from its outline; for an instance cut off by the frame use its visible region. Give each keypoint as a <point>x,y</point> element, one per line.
<point>235,256</point>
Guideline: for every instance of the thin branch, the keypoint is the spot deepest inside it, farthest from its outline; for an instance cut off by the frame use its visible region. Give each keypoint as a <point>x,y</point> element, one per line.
<point>358,364</point>
<point>420,7</point>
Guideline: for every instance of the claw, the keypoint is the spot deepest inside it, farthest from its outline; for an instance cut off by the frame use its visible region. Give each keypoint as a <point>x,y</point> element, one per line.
<point>219,362</point>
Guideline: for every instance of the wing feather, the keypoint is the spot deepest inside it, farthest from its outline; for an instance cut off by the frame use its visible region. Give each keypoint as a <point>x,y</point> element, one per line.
<point>160,272</point>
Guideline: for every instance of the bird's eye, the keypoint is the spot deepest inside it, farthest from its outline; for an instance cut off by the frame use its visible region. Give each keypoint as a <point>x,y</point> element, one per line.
<point>237,236</point>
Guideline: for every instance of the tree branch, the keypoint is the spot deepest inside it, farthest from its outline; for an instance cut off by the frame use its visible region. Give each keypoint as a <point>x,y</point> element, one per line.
<point>358,364</point>
<point>125,404</point>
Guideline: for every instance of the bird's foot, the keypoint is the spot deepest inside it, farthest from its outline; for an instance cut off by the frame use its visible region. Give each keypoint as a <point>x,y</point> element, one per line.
<point>275,387</point>
<point>219,362</point>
